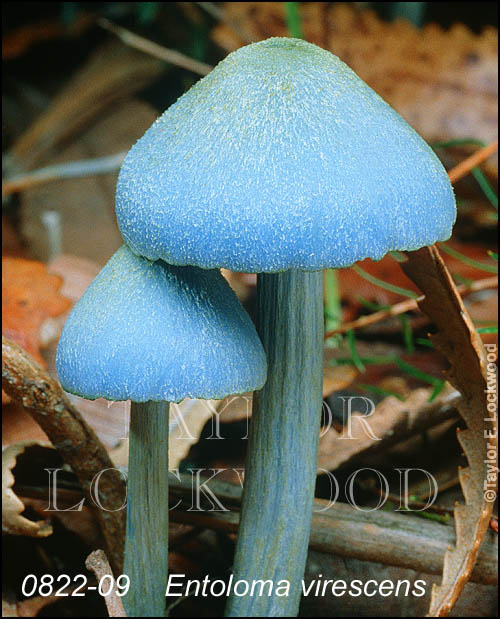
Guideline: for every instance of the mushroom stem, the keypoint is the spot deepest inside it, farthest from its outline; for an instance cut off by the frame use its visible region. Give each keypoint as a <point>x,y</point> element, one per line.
<point>146,542</point>
<point>281,461</point>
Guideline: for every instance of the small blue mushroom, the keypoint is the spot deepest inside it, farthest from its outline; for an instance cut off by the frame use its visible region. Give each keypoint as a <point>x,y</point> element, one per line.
<point>149,331</point>
<point>155,333</point>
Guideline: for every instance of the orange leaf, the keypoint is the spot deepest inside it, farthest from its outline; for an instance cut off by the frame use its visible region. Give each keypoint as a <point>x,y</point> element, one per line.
<point>30,297</point>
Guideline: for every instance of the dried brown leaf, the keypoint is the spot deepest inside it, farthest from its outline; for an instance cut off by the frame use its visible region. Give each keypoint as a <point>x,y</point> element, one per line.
<point>391,422</point>
<point>13,522</point>
<point>85,205</point>
<point>458,340</point>
<point>18,425</point>
<point>186,423</point>
<point>113,72</point>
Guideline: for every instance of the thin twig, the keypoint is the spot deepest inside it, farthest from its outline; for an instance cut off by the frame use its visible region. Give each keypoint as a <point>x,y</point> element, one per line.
<point>409,305</point>
<point>153,49</point>
<point>391,538</point>
<point>443,486</point>
<point>465,166</point>
<point>212,9</point>
<point>413,504</point>
<point>42,396</point>
<point>67,170</point>
<point>97,562</point>
<point>217,13</point>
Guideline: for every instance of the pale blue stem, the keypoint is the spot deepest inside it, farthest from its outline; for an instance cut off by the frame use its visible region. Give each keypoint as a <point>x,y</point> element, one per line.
<point>146,542</point>
<point>282,452</point>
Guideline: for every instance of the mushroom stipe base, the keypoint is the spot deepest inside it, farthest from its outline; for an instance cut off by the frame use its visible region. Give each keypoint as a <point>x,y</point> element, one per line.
<point>146,543</point>
<point>282,456</point>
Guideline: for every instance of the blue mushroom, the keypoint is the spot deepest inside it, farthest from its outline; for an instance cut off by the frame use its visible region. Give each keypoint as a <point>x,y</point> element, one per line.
<point>281,158</point>
<point>155,333</point>
<point>281,161</point>
<point>149,331</point>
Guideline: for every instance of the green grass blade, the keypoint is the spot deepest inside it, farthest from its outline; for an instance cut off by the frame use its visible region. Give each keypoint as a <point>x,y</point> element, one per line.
<point>383,284</point>
<point>423,341</point>
<point>333,306</point>
<point>481,179</point>
<point>356,359</point>
<point>374,307</point>
<point>459,142</point>
<point>407,333</point>
<point>414,372</point>
<point>486,188</point>
<point>487,330</point>
<point>293,21</point>
<point>482,266</point>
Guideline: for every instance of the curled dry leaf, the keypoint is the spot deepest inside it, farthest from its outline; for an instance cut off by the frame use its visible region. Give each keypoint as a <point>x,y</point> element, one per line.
<point>460,343</point>
<point>13,522</point>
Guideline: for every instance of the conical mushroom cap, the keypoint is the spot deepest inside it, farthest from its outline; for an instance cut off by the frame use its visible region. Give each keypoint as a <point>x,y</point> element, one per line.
<point>150,331</point>
<point>281,157</point>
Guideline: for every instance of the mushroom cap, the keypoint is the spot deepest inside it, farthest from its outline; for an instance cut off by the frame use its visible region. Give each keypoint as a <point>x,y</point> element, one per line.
<point>280,158</point>
<point>151,331</point>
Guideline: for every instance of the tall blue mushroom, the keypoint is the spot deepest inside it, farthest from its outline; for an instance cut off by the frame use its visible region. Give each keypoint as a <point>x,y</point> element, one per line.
<point>282,162</point>
<point>155,333</point>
